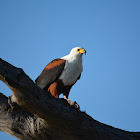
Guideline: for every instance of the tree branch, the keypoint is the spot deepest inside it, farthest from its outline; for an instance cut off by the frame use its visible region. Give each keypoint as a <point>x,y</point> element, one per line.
<point>46,118</point>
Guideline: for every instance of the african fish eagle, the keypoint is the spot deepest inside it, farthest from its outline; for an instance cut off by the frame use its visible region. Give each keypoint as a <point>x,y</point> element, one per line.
<point>61,74</point>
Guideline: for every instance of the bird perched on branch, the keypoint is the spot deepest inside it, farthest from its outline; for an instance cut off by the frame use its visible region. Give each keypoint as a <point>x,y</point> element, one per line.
<point>61,74</point>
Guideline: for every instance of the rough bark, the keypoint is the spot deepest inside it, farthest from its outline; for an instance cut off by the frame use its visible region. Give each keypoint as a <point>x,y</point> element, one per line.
<point>44,117</point>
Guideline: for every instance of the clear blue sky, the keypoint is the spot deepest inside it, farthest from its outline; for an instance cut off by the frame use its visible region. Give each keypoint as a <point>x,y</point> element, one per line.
<point>32,33</point>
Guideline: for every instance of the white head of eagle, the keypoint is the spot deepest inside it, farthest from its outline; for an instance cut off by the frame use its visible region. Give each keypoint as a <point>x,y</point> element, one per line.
<point>61,74</point>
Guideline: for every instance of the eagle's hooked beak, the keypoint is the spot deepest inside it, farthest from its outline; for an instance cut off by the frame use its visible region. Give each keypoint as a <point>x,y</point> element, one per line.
<point>82,51</point>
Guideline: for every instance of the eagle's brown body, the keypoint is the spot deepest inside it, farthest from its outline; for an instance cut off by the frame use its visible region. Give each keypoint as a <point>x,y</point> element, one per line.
<point>57,87</point>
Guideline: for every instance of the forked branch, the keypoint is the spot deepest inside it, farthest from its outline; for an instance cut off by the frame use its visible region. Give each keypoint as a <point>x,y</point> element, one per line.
<point>44,117</point>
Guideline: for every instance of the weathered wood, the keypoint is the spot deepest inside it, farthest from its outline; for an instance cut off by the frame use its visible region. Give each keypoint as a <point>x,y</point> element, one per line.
<point>44,117</point>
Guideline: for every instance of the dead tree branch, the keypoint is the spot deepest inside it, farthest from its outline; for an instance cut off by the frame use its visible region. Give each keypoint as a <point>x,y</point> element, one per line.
<point>44,117</point>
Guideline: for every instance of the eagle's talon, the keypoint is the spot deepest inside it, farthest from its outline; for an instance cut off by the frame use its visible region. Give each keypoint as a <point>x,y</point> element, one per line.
<point>75,105</point>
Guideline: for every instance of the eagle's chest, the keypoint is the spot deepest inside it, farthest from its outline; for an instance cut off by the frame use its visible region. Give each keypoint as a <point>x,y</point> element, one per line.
<point>71,73</point>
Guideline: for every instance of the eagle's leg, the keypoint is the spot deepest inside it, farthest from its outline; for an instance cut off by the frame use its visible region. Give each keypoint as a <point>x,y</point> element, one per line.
<point>73,104</point>
<point>65,97</point>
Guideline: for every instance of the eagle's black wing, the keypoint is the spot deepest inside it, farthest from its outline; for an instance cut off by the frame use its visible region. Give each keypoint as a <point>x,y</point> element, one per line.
<point>50,73</point>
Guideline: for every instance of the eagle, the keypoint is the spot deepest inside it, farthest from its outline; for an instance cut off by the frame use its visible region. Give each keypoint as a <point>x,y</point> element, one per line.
<point>61,74</point>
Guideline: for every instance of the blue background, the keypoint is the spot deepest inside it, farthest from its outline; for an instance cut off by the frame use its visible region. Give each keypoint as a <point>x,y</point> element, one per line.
<point>32,33</point>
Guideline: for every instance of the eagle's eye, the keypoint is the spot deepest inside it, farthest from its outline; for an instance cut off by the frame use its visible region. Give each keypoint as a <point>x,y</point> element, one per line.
<point>78,50</point>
